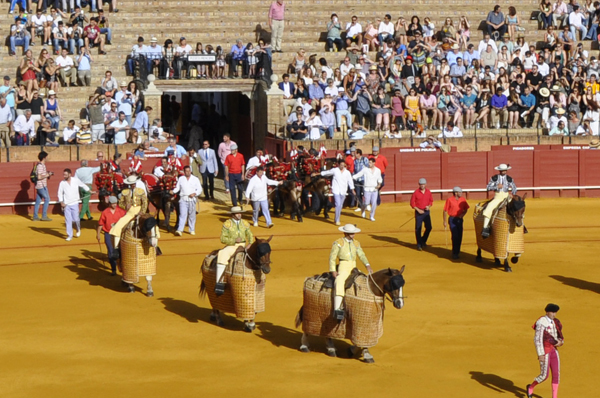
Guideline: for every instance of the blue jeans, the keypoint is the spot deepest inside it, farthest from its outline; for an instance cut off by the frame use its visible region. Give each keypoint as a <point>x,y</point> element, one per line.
<point>236,187</point>
<point>13,3</point>
<point>338,43</point>
<point>593,33</point>
<point>108,32</point>
<point>328,130</point>
<point>546,20</point>
<point>22,139</point>
<point>41,194</point>
<point>583,30</point>
<point>419,220</point>
<point>109,250</point>
<point>14,42</point>
<point>456,229</point>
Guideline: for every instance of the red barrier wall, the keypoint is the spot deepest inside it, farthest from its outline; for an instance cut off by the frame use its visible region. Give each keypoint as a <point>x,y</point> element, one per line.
<point>538,168</point>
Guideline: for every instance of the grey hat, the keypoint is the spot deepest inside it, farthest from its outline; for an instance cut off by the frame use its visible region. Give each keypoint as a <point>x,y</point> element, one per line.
<point>375,148</point>
<point>113,199</point>
<point>233,146</point>
<point>353,149</point>
<point>422,181</point>
<point>457,189</point>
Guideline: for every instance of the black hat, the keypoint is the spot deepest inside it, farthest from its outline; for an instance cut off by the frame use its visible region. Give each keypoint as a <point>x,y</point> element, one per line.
<point>552,308</point>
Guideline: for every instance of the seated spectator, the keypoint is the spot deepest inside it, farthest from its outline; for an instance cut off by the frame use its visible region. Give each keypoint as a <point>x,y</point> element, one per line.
<point>92,36</point>
<point>51,110</point>
<point>166,63</point>
<point>328,121</point>
<point>363,101</point>
<point>237,59</point>
<point>315,93</point>
<point>386,29</point>
<point>431,142</point>
<point>28,71</point>
<point>66,69</point>
<point>559,129</point>
<point>450,131</point>
<point>314,125</point>
<point>370,41</point>
<point>559,13</point>
<point>298,129</point>
<point>381,107</point>
<point>353,31</point>
<point>180,60</point>
<point>24,129</point>
<point>577,22</point>
<point>496,22</point>
<point>334,34</point>
<point>104,26</point>
<point>109,117</point>
<point>527,106</point>
<point>18,37</point>
<point>288,93</point>
<point>78,18</point>
<point>157,133</point>
<point>62,38</point>
<point>357,132</point>
<point>545,15</point>
<point>141,120</point>
<point>584,129</point>
<point>36,104</point>
<point>46,134</point>
<point>134,137</point>
<point>84,135</point>
<point>84,68</point>
<point>220,64</point>
<point>153,55</point>
<point>40,28</point>
<point>109,85</point>
<point>138,52</point>
<point>70,133</point>
<point>499,108</point>
<point>120,129</point>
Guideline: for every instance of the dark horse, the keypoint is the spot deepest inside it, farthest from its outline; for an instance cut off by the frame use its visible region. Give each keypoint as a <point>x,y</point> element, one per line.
<point>258,258</point>
<point>162,199</point>
<point>386,282</point>
<point>515,209</point>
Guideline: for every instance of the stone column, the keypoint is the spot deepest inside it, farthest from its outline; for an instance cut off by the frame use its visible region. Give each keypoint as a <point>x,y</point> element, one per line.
<point>152,97</point>
<point>275,117</point>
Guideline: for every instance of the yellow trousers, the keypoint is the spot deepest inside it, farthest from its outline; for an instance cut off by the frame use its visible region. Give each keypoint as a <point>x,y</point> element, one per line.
<point>226,253</point>
<point>130,215</point>
<point>494,203</point>
<point>344,270</point>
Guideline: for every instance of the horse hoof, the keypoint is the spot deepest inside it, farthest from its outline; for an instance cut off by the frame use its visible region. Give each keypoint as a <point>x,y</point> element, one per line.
<point>478,259</point>
<point>350,352</point>
<point>248,329</point>
<point>369,360</point>
<point>507,269</point>
<point>331,353</point>
<point>131,289</point>
<point>150,294</point>
<point>497,262</point>
<point>304,349</point>
<point>514,260</point>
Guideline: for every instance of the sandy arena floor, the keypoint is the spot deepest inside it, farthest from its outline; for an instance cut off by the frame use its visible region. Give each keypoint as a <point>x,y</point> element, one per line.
<point>70,330</point>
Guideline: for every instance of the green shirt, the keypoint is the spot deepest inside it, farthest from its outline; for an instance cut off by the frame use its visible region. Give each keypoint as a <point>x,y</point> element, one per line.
<point>233,230</point>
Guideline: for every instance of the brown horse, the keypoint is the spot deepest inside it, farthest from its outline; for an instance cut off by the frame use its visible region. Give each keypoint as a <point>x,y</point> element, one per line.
<point>256,263</point>
<point>507,233</point>
<point>383,283</point>
<point>162,200</point>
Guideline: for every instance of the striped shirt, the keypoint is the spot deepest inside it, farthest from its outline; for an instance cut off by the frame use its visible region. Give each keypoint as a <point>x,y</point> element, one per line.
<point>84,136</point>
<point>502,179</point>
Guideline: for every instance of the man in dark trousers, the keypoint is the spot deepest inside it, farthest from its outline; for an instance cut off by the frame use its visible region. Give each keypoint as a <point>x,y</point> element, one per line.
<point>422,200</point>
<point>454,210</point>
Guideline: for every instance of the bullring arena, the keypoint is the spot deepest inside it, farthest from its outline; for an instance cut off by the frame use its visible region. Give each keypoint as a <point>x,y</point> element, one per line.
<point>71,329</point>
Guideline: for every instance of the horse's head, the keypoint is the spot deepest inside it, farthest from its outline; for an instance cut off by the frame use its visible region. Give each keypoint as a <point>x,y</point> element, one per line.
<point>516,208</point>
<point>262,257</point>
<point>393,284</point>
<point>147,227</point>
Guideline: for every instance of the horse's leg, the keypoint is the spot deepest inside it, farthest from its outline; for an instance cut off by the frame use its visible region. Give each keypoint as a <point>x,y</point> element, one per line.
<point>352,351</point>
<point>497,262</point>
<point>331,348</point>
<point>249,326</point>
<point>131,287</point>
<point>367,357</point>
<point>478,258</point>
<point>506,266</point>
<point>304,343</point>
<point>215,316</point>
<point>167,210</point>
<point>149,292</point>
<point>298,211</point>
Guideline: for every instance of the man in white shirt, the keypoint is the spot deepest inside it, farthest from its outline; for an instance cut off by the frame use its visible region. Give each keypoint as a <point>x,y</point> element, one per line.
<point>386,29</point>
<point>372,183</point>
<point>70,133</point>
<point>136,51</point>
<point>67,68</point>
<point>6,118</point>
<point>125,101</point>
<point>120,129</point>
<point>258,193</point>
<point>484,43</point>
<point>68,196</point>
<point>209,169</point>
<point>189,188</point>
<point>153,54</point>
<point>353,31</point>
<point>38,27</point>
<point>431,142</point>
<point>576,19</point>
<point>342,180</point>
<point>450,131</point>
<point>543,67</point>
<point>24,128</point>
<point>258,160</point>
<point>346,66</point>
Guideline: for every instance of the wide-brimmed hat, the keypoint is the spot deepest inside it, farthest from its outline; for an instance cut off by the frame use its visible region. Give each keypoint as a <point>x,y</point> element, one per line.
<point>349,229</point>
<point>51,92</point>
<point>84,122</point>
<point>595,143</point>
<point>455,47</point>
<point>560,111</point>
<point>555,88</point>
<point>544,92</point>
<point>373,67</point>
<point>123,83</point>
<point>132,179</point>
<point>236,209</point>
<point>352,47</point>
<point>154,40</point>
<point>502,167</point>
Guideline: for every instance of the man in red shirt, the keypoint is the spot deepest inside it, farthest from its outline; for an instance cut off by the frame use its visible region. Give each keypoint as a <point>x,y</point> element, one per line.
<point>91,34</point>
<point>381,163</point>
<point>455,209</point>
<point>422,200</point>
<point>235,169</point>
<point>108,218</point>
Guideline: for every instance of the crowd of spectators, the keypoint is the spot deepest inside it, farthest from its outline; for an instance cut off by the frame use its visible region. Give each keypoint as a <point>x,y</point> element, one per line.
<point>411,76</point>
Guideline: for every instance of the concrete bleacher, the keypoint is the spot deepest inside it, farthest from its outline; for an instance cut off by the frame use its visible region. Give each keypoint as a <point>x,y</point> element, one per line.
<point>218,22</point>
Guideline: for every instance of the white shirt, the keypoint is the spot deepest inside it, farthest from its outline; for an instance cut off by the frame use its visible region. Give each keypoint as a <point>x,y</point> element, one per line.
<point>120,135</point>
<point>38,22</point>
<point>23,126</point>
<point>386,28</point>
<point>341,180</point>
<point>184,50</point>
<point>188,187</point>
<point>483,46</point>
<point>593,117</point>
<point>69,134</point>
<point>159,171</point>
<point>454,133</point>
<point>575,19</point>
<point>255,162</point>
<point>257,188</point>
<point>353,30</point>
<point>66,62</point>
<point>543,69</point>
<point>372,178</point>
<point>137,50</point>
<point>344,69</point>
<point>68,191</point>
<point>553,122</point>
<point>5,114</point>
<point>314,124</point>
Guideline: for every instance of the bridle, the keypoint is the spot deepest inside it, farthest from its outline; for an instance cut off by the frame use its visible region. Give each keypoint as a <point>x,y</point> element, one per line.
<point>384,291</point>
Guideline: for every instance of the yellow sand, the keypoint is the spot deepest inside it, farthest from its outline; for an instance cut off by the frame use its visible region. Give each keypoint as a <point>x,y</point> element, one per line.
<point>69,329</point>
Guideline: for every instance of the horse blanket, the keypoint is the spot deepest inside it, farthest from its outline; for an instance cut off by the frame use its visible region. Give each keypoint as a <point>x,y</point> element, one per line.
<point>138,257</point>
<point>505,236</point>
<point>363,323</point>
<point>244,288</point>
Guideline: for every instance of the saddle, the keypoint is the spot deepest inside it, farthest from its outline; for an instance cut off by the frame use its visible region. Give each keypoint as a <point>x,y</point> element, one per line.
<point>329,281</point>
<point>230,264</point>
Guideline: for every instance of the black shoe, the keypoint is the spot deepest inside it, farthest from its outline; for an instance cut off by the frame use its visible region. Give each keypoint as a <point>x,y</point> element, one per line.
<point>113,273</point>
<point>108,43</point>
<point>90,218</point>
<point>219,289</point>
<point>455,256</point>
<point>485,233</point>
<point>419,248</point>
<point>527,391</point>
<point>338,315</point>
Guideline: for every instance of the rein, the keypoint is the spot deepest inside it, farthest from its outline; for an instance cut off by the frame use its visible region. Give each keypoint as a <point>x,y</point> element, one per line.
<point>260,265</point>
<point>382,291</point>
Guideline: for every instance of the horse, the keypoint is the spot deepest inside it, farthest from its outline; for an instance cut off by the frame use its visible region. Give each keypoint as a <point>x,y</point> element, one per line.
<point>363,304</point>
<point>245,278</point>
<point>507,232</point>
<point>288,193</point>
<point>162,199</point>
<point>139,246</point>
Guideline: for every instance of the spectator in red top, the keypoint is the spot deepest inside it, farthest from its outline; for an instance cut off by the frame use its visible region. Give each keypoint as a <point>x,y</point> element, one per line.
<point>108,218</point>
<point>350,159</point>
<point>91,34</point>
<point>381,163</point>
<point>234,174</point>
<point>455,209</point>
<point>422,200</point>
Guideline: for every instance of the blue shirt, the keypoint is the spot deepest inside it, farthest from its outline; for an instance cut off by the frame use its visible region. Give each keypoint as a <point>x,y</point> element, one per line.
<point>451,57</point>
<point>237,53</point>
<point>141,121</point>
<point>402,50</point>
<point>360,164</point>
<point>468,57</point>
<point>328,118</point>
<point>499,101</point>
<point>10,98</point>
<point>468,100</point>
<point>341,104</point>
<point>84,64</point>
<point>315,92</point>
<point>178,153</point>
<point>528,100</point>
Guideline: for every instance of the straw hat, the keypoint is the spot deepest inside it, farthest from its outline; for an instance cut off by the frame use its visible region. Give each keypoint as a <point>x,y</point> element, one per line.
<point>132,179</point>
<point>555,88</point>
<point>503,167</point>
<point>84,122</point>
<point>544,92</point>
<point>595,143</point>
<point>373,67</point>
<point>560,111</point>
<point>236,209</point>
<point>123,83</point>
<point>51,92</point>
<point>455,46</point>
<point>349,229</point>
<point>353,47</point>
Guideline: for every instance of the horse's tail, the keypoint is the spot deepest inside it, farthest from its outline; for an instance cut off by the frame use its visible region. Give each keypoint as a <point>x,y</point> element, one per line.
<point>299,317</point>
<point>202,292</point>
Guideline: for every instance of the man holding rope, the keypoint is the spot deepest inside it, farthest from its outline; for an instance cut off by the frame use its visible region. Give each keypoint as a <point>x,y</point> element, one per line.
<point>189,189</point>
<point>342,180</point>
<point>422,200</point>
<point>108,218</point>
<point>455,209</point>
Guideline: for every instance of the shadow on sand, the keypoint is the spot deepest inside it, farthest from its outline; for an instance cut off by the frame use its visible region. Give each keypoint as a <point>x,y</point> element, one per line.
<point>194,314</point>
<point>499,384</point>
<point>578,283</point>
